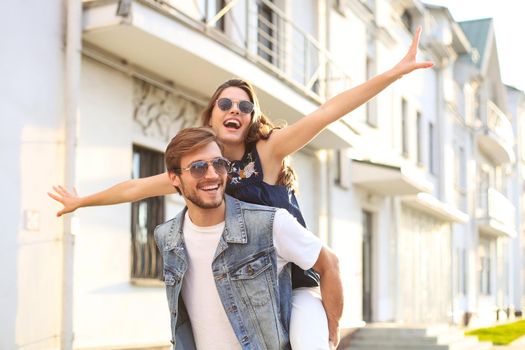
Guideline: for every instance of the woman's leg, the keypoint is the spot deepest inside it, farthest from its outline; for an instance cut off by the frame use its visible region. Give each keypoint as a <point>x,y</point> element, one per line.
<point>308,324</point>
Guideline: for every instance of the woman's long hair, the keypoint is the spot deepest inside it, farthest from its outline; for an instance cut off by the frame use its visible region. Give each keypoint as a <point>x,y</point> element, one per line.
<point>261,127</point>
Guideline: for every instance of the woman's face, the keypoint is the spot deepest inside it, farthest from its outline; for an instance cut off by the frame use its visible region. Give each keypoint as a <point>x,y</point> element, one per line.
<point>230,117</point>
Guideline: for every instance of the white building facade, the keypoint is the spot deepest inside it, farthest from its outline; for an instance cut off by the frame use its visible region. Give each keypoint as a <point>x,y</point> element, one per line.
<point>419,192</point>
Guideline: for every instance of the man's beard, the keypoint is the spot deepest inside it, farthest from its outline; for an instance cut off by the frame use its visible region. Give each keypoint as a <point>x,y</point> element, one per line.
<point>201,204</point>
<point>193,197</point>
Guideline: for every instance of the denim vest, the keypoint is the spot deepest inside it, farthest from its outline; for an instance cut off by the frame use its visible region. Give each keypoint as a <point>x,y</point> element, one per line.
<point>256,300</point>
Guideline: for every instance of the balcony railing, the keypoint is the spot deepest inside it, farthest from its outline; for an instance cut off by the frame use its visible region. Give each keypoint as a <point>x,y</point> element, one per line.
<point>496,137</point>
<point>263,33</point>
<point>498,123</point>
<point>452,93</point>
<point>494,205</point>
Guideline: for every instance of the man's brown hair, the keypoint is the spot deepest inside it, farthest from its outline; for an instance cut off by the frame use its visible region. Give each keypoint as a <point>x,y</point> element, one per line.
<point>186,141</point>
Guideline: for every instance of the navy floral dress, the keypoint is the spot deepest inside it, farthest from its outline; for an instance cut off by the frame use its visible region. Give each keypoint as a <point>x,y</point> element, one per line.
<point>246,184</point>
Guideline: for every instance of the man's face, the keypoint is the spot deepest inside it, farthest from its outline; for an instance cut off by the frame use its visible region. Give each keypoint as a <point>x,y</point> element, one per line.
<point>206,192</point>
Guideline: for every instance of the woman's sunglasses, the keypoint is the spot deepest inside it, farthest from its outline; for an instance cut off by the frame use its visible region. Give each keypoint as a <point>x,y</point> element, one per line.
<point>199,168</point>
<point>225,104</point>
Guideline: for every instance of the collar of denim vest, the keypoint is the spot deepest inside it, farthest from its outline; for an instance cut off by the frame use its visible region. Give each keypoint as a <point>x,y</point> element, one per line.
<point>234,230</point>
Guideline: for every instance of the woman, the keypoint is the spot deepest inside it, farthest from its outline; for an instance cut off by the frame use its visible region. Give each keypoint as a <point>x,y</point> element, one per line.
<point>260,175</point>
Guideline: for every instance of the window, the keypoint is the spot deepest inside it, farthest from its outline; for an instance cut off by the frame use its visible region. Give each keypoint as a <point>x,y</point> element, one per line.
<point>343,169</point>
<point>371,106</point>
<point>483,186</point>
<point>485,268</point>
<point>407,20</point>
<point>504,176</point>
<point>146,261</point>
<point>431,146</point>
<point>462,168</point>
<point>212,8</point>
<point>367,264</point>
<point>477,105</point>
<point>460,176</point>
<point>266,31</point>
<point>461,271</point>
<point>419,131</point>
<point>404,127</point>
<point>369,3</point>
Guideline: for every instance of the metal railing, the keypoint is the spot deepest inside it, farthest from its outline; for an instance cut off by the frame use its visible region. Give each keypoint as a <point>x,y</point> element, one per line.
<point>264,34</point>
<point>460,199</point>
<point>498,123</point>
<point>493,204</point>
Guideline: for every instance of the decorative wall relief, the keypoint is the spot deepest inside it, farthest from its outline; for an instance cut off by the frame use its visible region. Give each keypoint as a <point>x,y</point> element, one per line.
<point>161,114</point>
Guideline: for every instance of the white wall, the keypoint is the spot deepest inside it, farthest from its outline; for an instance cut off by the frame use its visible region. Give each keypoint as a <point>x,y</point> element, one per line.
<point>346,239</point>
<point>109,310</point>
<point>347,45</point>
<point>306,167</point>
<point>31,153</point>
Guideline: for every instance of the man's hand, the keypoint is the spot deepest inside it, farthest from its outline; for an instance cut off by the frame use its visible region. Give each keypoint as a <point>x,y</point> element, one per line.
<point>327,265</point>
<point>334,334</point>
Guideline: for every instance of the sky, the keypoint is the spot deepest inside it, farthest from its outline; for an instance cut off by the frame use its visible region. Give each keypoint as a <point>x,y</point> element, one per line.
<point>509,23</point>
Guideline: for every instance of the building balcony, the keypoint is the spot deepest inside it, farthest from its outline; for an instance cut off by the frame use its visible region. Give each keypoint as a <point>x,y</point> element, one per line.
<point>495,214</point>
<point>197,45</point>
<point>496,137</point>
<point>431,205</point>
<point>388,179</point>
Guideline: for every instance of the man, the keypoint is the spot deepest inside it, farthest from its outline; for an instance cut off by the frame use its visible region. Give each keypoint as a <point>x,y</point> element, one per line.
<point>226,262</point>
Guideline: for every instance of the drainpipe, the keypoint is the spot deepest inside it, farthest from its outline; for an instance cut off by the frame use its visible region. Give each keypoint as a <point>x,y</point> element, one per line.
<point>73,45</point>
<point>440,132</point>
<point>395,250</point>
<point>440,141</point>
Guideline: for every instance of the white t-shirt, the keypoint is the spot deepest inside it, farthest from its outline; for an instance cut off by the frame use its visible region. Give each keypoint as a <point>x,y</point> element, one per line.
<point>210,325</point>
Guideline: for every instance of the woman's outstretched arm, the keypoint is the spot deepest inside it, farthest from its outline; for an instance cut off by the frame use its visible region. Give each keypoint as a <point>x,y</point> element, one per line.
<point>127,191</point>
<point>290,139</point>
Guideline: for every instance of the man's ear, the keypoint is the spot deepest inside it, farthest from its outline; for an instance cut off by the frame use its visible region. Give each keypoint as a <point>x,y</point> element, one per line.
<point>174,178</point>
<point>175,181</point>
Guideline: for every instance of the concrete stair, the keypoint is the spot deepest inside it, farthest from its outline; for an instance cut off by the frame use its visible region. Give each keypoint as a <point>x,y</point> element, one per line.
<point>401,337</point>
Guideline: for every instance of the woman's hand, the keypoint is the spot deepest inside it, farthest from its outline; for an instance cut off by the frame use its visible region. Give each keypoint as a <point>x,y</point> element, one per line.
<point>70,200</point>
<point>409,62</point>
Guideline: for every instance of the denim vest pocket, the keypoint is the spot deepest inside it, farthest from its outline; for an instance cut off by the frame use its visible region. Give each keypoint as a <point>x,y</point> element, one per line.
<point>252,268</point>
<point>253,279</point>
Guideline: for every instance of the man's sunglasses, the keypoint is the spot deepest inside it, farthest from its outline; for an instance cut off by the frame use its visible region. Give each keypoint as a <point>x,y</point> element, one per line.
<point>199,168</point>
<point>225,104</point>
